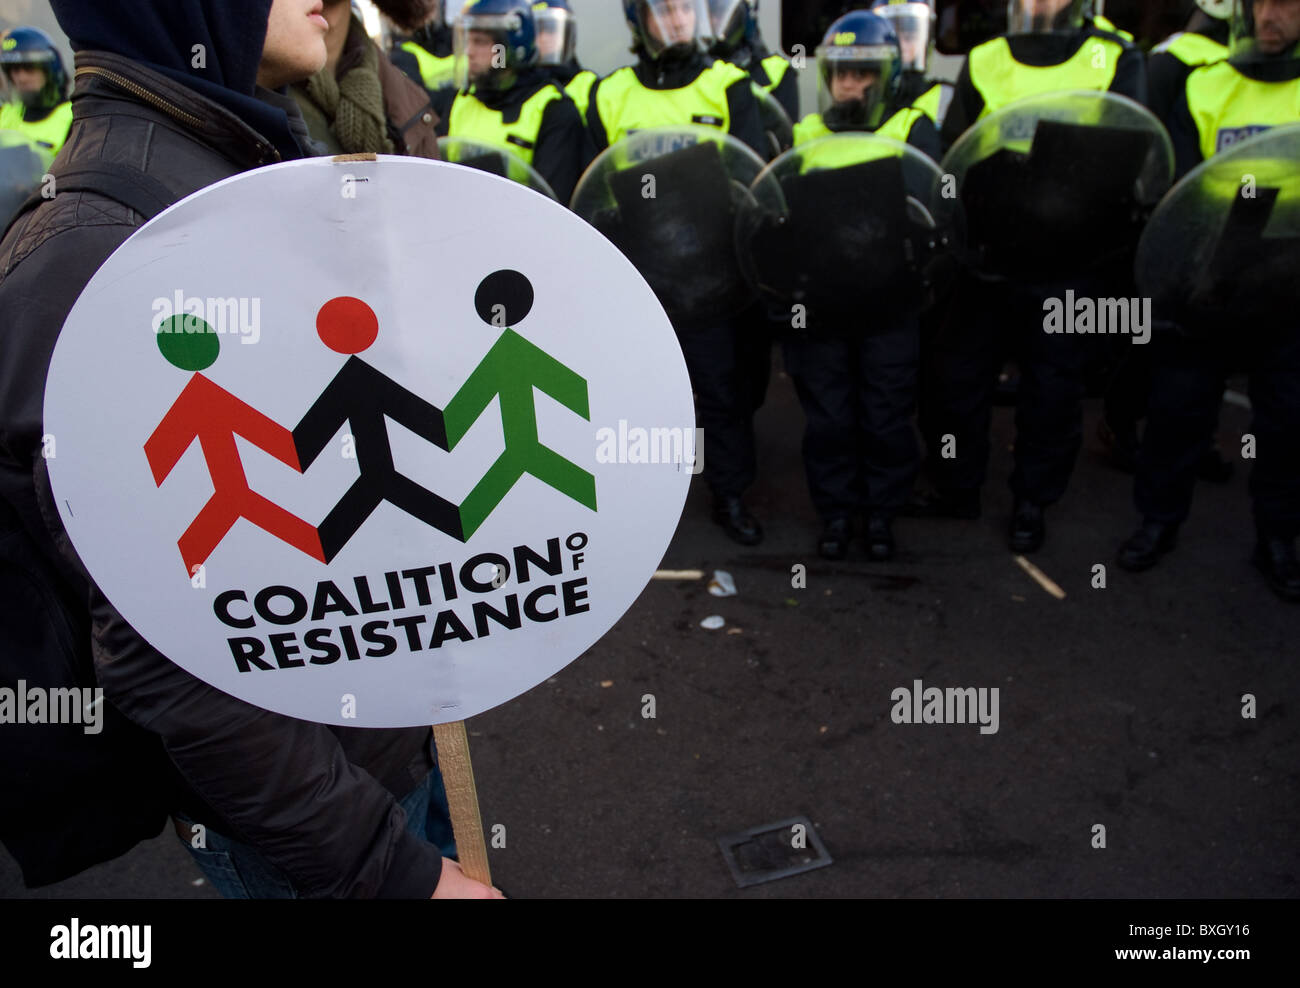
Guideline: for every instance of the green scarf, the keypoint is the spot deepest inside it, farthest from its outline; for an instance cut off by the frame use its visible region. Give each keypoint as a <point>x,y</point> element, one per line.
<point>354,102</point>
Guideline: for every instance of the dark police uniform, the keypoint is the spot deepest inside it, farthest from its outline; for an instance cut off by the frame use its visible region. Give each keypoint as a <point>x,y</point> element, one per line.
<point>1168,66</point>
<point>433,69</point>
<point>858,389</point>
<point>985,321</point>
<point>771,73</point>
<point>575,81</point>
<point>534,119</point>
<point>1222,104</point>
<point>1172,61</point>
<point>728,360</point>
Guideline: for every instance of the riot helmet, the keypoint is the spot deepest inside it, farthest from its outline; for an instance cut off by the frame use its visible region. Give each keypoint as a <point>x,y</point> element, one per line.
<point>494,40</point>
<point>32,48</point>
<point>434,30</point>
<point>557,32</point>
<point>672,27</point>
<point>729,22</point>
<point>859,71</point>
<point>1220,10</point>
<point>1046,16</point>
<point>914,22</point>
<point>1265,32</point>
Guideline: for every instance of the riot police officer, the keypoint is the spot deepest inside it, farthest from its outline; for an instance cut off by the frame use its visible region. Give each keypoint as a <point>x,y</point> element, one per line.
<point>427,56</point>
<point>914,22</point>
<point>1202,41</point>
<point>1255,89</point>
<point>504,99</point>
<point>1104,23</point>
<point>673,81</point>
<point>557,45</point>
<point>740,42</point>
<point>41,115</point>
<point>676,83</point>
<point>1049,48</point>
<point>857,385</point>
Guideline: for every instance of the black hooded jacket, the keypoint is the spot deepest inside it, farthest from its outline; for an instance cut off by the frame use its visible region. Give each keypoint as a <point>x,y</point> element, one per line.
<point>320,803</point>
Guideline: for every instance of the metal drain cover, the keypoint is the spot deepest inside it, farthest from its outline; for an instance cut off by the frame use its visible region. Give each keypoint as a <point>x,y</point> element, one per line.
<point>773,850</point>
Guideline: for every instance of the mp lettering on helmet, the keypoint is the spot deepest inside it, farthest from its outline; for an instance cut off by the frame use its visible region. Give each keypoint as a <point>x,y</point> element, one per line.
<point>845,38</point>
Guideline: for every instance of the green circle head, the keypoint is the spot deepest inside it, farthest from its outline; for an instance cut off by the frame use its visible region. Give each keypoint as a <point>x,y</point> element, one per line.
<point>188,342</point>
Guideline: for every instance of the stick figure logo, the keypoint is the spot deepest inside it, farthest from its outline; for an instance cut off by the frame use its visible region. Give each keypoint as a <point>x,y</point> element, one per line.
<point>364,397</point>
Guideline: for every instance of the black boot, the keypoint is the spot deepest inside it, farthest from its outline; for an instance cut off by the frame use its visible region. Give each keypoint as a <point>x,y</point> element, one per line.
<point>1276,559</point>
<point>1143,548</point>
<point>736,521</point>
<point>836,536</point>
<point>1027,530</point>
<point>880,537</point>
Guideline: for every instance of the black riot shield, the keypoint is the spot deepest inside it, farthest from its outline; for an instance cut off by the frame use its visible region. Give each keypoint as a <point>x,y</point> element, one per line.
<point>1058,185</point>
<point>1222,252</point>
<point>846,230</point>
<point>776,122</point>
<point>668,199</point>
<point>494,160</point>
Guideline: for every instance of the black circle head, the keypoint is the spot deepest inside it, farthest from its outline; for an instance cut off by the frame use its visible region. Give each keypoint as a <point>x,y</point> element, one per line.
<point>504,298</point>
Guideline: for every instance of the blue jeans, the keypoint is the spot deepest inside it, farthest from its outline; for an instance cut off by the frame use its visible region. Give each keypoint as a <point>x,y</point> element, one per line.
<point>239,871</point>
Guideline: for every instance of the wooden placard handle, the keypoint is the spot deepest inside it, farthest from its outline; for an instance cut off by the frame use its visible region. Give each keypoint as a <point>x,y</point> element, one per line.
<point>462,797</point>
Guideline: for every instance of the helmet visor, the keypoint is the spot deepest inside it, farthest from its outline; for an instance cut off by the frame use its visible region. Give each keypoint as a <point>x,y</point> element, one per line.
<point>680,24</point>
<point>853,84</point>
<point>1265,31</point>
<point>1218,9</point>
<point>557,35</point>
<point>727,19</point>
<point>914,25</point>
<point>483,48</point>
<point>1044,16</point>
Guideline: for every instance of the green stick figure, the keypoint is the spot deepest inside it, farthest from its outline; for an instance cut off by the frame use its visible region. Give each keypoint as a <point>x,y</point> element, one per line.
<point>510,371</point>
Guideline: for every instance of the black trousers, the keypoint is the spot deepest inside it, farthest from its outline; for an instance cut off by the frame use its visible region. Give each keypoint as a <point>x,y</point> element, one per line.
<point>859,447</point>
<point>1186,391</point>
<point>987,323</point>
<point>729,362</point>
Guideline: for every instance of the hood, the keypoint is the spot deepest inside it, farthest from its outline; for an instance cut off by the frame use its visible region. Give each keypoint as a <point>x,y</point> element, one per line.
<point>163,35</point>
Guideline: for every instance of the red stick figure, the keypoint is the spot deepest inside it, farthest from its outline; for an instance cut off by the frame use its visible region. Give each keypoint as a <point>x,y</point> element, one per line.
<point>212,415</point>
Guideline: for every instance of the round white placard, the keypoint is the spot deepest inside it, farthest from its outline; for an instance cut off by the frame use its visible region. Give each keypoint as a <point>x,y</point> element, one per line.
<point>371,443</point>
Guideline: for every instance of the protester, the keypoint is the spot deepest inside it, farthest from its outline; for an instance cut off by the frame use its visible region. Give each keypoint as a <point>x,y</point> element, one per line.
<point>360,102</point>
<point>181,94</point>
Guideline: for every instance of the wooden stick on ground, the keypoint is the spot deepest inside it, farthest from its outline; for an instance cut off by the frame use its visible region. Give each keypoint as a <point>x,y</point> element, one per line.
<point>458,777</point>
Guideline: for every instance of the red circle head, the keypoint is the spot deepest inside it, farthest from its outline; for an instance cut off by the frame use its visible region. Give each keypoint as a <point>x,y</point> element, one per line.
<point>346,324</point>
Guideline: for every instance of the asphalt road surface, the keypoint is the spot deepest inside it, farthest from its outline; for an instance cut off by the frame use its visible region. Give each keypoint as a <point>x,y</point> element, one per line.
<point>1118,708</point>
